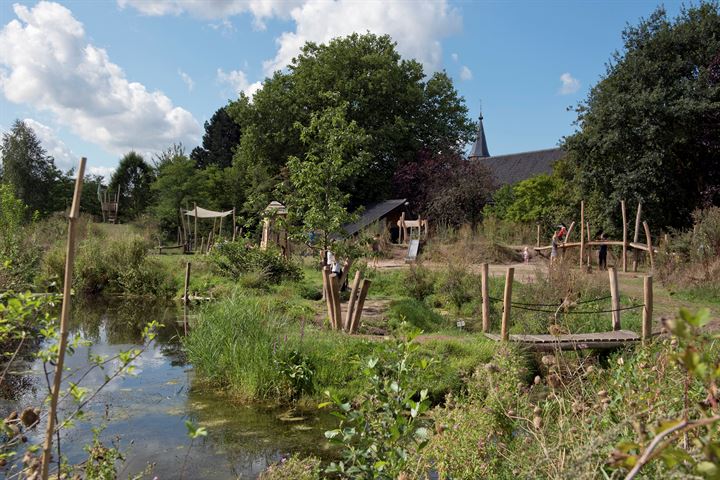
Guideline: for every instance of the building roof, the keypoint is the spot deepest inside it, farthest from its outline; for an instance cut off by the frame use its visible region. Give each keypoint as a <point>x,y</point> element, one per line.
<point>372,214</point>
<point>480,148</point>
<point>516,167</point>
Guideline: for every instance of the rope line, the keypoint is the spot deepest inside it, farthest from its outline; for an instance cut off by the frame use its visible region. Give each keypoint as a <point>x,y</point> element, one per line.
<point>556,305</point>
<point>581,312</point>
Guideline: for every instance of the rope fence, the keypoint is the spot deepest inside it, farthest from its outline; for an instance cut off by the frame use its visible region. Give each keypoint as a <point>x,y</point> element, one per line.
<point>529,306</point>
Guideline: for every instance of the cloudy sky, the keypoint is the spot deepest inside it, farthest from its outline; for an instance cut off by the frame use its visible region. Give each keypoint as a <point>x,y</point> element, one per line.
<point>99,78</point>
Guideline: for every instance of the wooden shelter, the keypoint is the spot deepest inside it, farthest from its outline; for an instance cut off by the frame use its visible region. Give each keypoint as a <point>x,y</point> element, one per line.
<point>190,234</point>
<point>273,231</point>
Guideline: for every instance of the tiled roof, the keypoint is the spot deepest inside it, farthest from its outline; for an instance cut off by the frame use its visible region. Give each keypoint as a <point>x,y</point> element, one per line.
<point>516,167</point>
<point>372,214</point>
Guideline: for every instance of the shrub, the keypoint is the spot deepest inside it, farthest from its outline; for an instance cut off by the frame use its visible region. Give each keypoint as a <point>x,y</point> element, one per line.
<point>233,259</point>
<point>419,282</point>
<point>416,314</point>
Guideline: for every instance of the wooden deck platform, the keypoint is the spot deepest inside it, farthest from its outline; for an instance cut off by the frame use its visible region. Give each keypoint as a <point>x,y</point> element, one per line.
<point>577,341</point>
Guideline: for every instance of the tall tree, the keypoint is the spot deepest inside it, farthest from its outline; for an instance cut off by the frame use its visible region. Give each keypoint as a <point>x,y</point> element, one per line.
<point>27,167</point>
<point>134,178</point>
<point>387,96</point>
<point>318,182</point>
<point>221,137</point>
<point>649,130</point>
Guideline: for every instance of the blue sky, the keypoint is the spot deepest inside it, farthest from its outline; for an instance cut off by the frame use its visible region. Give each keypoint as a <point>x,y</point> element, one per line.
<point>98,78</point>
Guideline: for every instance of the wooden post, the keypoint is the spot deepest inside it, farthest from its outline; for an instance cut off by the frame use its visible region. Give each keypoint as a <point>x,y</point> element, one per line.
<point>507,298</point>
<point>589,239</point>
<point>220,230</point>
<point>234,226</point>
<point>184,232</point>
<point>537,241</point>
<point>194,242</point>
<point>615,298</point>
<point>328,295</point>
<point>345,270</point>
<point>647,309</point>
<point>636,238</point>
<point>582,231</point>
<point>352,302</point>
<point>625,239</point>
<point>64,319</point>
<point>337,312</point>
<point>569,232</point>
<point>202,244</point>
<point>360,303</point>
<point>186,290</point>
<point>650,247</point>
<point>485,289</point>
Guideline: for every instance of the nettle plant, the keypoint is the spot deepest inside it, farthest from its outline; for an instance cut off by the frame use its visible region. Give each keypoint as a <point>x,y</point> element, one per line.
<point>690,442</point>
<point>379,431</point>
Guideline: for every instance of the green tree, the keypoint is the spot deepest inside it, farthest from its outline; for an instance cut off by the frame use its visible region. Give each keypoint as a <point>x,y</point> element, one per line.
<point>387,96</point>
<point>534,200</point>
<point>649,130</point>
<point>221,137</point>
<point>134,177</point>
<point>27,167</point>
<point>319,182</point>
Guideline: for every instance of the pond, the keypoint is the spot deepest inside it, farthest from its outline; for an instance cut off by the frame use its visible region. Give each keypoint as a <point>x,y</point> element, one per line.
<point>146,412</point>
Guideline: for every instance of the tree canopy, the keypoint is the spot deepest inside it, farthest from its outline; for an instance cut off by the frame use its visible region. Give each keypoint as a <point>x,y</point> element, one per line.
<point>29,169</point>
<point>221,137</point>
<point>649,131</point>
<point>133,177</point>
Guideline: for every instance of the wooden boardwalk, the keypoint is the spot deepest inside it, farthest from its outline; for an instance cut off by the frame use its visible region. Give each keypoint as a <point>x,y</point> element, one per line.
<point>577,341</point>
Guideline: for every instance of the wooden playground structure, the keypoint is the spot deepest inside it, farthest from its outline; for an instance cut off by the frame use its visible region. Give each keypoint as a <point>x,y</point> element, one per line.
<point>273,231</point>
<point>613,338</point>
<point>586,240</point>
<point>109,205</point>
<point>411,233</point>
<point>332,284</point>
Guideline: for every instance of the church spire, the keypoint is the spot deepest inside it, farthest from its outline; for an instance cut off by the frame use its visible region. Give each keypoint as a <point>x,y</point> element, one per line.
<point>480,148</point>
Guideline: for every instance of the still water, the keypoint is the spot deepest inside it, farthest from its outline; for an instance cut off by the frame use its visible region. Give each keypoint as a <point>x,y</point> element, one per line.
<point>145,413</point>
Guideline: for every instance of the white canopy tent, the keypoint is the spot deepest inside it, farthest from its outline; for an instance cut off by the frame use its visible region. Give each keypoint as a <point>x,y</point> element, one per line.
<point>205,213</point>
<point>199,212</point>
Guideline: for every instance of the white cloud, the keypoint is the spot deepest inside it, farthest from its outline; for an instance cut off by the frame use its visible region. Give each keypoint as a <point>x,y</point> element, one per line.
<point>215,9</point>
<point>465,73</point>
<point>455,57</point>
<point>416,27</point>
<point>105,172</point>
<point>46,62</point>
<point>570,84</point>
<point>187,80</point>
<point>65,158</point>
<point>237,80</point>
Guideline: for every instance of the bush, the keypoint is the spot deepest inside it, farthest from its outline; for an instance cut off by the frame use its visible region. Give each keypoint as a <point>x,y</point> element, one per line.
<point>233,259</point>
<point>416,314</point>
<point>419,282</point>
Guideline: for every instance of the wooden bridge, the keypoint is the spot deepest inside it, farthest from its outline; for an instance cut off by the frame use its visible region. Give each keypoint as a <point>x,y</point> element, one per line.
<point>576,341</point>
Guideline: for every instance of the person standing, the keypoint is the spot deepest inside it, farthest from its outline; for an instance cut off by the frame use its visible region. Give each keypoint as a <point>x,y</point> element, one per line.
<point>602,254</point>
<point>554,248</point>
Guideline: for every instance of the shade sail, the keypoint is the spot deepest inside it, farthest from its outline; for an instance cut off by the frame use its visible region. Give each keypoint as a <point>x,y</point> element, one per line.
<point>205,213</point>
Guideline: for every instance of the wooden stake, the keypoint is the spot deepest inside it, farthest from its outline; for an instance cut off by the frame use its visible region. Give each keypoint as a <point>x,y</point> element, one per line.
<point>636,238</point>
<point>186,290</point>
<point>202,244</point>
<point>485,289</point>
<point>359,308</point>
<point>537,241</point>
<point>649,245</point>
<point>615,298</point>
<point>625,239</point>
<point>64,319</point>
<point>220,231</point>
<point>328,295</point>
<point>582,231</point>
<point>507,299</point>
<point>352,302</point>
<point>589,239</point>
<point>337,312</point>
<point>234,227</point>
<point>569,232</point>
<point>647,309</point>
<point>194,241</point>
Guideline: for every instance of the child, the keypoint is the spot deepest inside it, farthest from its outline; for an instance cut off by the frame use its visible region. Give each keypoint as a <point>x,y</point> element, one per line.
<point>602,255</point>
<point>526,255</point>
<point>376,250</point>
<point>553,248</point>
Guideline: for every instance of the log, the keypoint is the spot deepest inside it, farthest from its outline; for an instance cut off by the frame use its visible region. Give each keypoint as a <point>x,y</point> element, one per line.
<point>597,243</point>
<point>569,232</point>
<point>507,299</point>
<point>636,237</point>
<point>625,240</point>
<point>359,308</point>
<point>647,309</point>
<point>485,289</point>
<point>64,319</point>
<point>649,245</point>
<point>560,245</point>
<point>615,298</point>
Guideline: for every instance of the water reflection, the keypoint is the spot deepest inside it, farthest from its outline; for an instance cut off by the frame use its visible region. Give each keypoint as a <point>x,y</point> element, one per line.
<point>147,411</point>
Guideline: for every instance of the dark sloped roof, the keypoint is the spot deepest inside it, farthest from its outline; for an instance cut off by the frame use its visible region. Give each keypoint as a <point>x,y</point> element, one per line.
<point>373,213</point>
<point>516,167</point>
<point>480,148</point>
